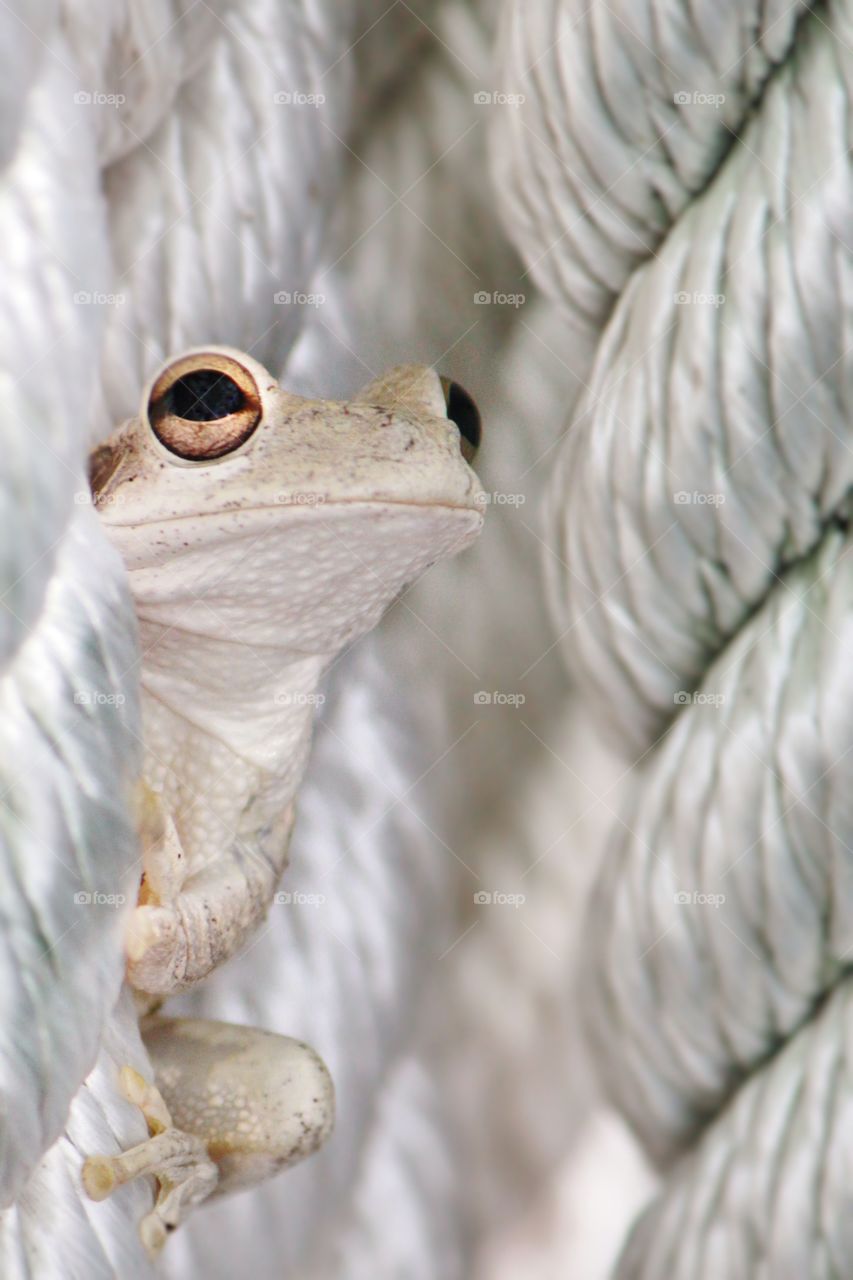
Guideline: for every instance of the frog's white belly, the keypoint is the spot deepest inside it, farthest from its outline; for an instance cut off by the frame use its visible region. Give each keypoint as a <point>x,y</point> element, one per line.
<point>225,768</point>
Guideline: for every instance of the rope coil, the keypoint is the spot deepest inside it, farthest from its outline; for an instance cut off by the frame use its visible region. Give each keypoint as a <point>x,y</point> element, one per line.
<point>704,590</point>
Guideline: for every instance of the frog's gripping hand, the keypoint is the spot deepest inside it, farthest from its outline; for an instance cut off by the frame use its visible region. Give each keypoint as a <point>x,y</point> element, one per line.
<point>185,925</point>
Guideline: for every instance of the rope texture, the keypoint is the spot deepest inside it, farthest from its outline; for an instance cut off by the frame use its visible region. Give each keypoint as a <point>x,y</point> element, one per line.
<point>154,195</point>
<point>66,716</point>
<point>679,177</point>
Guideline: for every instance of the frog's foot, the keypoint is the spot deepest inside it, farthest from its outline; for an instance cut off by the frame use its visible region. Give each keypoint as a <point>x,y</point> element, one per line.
<point>178,1160</point>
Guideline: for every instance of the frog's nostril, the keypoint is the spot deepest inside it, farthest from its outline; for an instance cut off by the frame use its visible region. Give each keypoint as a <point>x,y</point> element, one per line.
<point>462,409</point>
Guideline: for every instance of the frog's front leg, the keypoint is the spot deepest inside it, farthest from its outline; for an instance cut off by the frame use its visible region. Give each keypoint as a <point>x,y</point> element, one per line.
<point>231,1106</point>
<point>185,924</point>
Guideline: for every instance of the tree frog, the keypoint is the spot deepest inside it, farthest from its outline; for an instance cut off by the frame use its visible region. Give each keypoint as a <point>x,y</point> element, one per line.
<point>262,533</point>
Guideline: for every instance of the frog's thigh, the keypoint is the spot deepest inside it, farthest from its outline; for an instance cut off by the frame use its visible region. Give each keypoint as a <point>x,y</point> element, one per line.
<point>232,1106</point>
<point>260,1101</point>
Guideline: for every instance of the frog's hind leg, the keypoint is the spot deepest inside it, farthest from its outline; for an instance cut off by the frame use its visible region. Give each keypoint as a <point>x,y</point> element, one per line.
<point>178,1160</point>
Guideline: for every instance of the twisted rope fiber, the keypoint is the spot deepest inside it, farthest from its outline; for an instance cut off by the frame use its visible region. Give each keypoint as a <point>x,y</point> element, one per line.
<point>192,201</point>
<point>706,599</point>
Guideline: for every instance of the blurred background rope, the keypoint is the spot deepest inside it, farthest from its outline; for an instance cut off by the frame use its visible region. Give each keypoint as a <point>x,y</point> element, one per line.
<point>680,180</point>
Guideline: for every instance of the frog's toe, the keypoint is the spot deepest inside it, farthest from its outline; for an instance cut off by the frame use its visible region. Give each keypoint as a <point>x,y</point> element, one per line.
<point>179,1161</point>
<point>99,1177</point>
<point>153,1233</point>
<point>156,949</point>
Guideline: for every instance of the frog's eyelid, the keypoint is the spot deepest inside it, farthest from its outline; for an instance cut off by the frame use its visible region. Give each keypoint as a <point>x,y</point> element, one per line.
<point>203,406</point>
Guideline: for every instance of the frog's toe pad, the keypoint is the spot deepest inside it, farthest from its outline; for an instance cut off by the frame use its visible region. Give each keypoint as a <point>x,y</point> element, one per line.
<point>153,1233</point>
<point>99,1177</point>
<point>179,1161</point>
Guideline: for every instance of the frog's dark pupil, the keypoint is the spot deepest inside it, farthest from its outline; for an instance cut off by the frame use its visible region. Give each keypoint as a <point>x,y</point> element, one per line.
<point>204,395</point>
<point>462,409</point>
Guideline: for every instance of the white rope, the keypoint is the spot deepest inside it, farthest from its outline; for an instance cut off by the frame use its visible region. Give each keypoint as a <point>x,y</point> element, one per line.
<point>63,827</point>
<point>55,1231</point>
<point>405,1164</point>
<point>181,196</point>
<point>705,579</point>
<point>600,162</point>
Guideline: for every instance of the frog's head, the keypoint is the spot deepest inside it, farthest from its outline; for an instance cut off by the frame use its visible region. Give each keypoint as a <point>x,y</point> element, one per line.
<point>242,509</point>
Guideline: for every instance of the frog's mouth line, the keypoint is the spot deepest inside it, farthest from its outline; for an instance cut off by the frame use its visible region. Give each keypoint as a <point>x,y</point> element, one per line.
<point>309,502</point>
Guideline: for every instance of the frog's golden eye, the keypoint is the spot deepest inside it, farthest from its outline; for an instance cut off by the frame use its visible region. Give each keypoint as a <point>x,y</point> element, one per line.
<point>203,406</point>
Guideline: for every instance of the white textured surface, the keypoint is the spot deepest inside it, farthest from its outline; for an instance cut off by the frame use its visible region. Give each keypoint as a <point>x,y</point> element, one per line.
<point>602,158</point>
<point>66,746</point>
<point>448,1026</point>
<point>210,198</point>
<point>701,582</point>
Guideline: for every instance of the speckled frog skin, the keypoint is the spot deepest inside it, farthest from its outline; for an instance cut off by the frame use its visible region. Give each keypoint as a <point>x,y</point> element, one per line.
<point>262,533</point>
<point>275,536</point>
